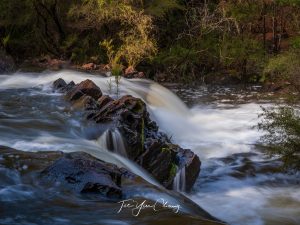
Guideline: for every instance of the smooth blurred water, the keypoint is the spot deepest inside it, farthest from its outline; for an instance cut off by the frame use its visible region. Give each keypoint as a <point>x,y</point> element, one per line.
<point>237,183</point>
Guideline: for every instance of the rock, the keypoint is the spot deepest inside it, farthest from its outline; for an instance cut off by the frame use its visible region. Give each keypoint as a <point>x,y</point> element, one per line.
<point>78,172</point>
<point>87,87</point>
<point>32,161</point>
<point>104,100</point>
<point>56,64</point>
<point>69,86</point>
<point>130,70</point>
<point>159,159</point>
<point>83,173</point>
<point>59,84</point>
<point>89,66</point>
<point>105,67</point>
<point>161,77</point>
<point>73,95</point>
<point>130,73</point>
<point>143,142</point>
<point>7,64</point>
<point>45,62</point>
<point>140,75</point>
<point>50,63</point>
<point>86,102</point>
<point>121,108</point>
<point>75,92</point>
<point>192,163</point>
<point>64,181</point>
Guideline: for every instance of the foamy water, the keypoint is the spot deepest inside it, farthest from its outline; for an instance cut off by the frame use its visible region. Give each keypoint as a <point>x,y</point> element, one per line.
<point>231,185</point>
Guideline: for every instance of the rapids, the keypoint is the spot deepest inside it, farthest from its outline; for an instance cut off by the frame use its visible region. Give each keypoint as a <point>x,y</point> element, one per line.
<point>237,183</point>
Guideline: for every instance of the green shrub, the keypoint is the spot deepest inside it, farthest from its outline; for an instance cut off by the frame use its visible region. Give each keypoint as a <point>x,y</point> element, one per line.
<point>178,58</point>
<point>295,42</point>
<point>243,55</point>
<point>129,29</point>
<point>282,127</point>
<point>284,67</point>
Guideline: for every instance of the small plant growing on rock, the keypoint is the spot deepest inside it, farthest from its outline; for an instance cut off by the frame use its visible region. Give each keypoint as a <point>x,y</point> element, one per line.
<point>114,61</point>
<point>173,170</point>
<point>109,85</point>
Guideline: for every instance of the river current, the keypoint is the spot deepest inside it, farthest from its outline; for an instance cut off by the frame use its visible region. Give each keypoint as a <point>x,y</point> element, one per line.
<point>238,183</point>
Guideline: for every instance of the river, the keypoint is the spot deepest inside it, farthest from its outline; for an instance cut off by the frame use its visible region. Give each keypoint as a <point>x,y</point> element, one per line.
<point>237,184</point>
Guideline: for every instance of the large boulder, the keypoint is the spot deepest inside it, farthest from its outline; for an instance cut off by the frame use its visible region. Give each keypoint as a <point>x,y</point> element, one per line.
<point>143,142</point>
<point>75,183</point>
<point>83,173</point>
<point>77,172</point>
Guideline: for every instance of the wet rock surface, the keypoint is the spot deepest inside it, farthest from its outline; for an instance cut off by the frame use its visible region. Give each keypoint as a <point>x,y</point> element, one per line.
<point>77,172</point>
<point>26,162</point>
<point>85,174</point>
<point>143,141</point>
<point>77,188</point>
<point>86,87</point>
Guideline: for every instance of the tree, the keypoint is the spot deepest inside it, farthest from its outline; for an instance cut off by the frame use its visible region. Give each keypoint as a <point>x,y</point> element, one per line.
<point>126,27</point>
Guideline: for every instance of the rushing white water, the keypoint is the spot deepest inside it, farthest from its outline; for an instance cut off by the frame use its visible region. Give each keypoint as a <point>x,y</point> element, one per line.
<point>155,95</point>
<point>236,183</point>
<point>113,141</point>
<point>179,180</point>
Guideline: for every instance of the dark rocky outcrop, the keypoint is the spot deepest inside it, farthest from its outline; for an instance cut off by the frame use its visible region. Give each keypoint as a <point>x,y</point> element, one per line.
<point>77,172</point>
<point>83,173</point>
<point>144,143</point>
<point>74,183</point>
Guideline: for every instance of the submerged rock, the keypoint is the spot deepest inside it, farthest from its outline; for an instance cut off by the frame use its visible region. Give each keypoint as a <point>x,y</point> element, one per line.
<point>143,141</point>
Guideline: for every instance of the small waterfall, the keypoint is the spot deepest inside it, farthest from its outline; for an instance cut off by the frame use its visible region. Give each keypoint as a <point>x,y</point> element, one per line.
<point>163,105</point>
<point>156,96</point>
<point>112,140</point>
<point>179,180</point>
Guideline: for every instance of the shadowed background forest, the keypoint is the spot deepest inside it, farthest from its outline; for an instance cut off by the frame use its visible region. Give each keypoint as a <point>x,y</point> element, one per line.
<point>174,40</point>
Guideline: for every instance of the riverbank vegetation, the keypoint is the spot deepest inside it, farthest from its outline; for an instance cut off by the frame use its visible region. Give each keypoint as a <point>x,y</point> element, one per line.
<point>175,40</point>
<point>282,127</point>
